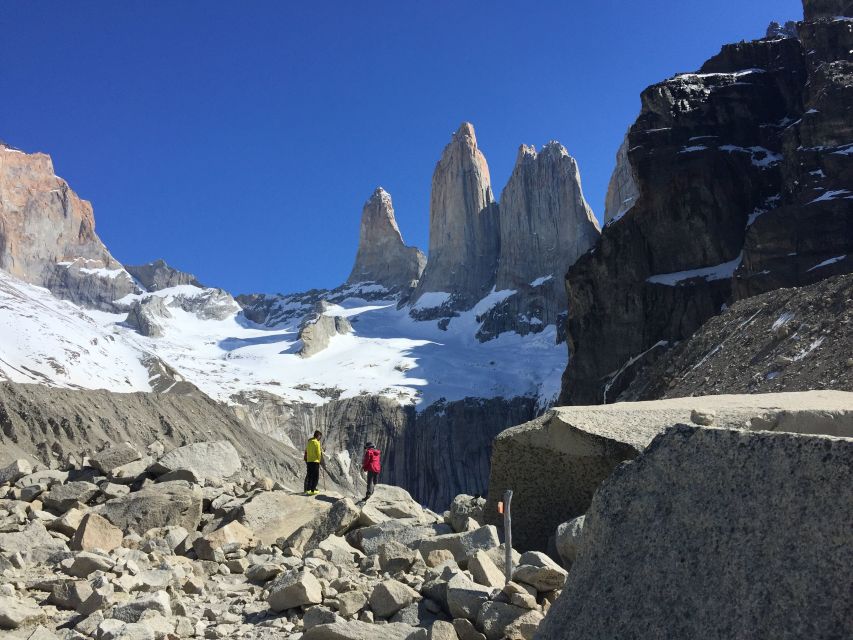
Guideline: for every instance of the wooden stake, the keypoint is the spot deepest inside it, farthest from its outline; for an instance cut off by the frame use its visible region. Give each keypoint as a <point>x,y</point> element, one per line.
<point>508,532</point>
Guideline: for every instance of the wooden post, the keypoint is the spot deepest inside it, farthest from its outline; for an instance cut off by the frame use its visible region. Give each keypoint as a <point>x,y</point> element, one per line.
<point>508,532</point>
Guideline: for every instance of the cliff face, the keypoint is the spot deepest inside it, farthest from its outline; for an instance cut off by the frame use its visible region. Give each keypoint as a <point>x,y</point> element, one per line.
<point>463,233</point>
<point>462,431</point>
<point>622,190</point>
<point>47,234</point>
<point>382,256</point>
<point>744,173</point>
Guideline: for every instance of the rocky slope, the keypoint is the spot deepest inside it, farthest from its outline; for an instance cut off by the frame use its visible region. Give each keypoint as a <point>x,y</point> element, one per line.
<point>744,175</point>
<point>382,256</point>
<point>188,544</point>
<point>55,426</point>
<point>784,340</point>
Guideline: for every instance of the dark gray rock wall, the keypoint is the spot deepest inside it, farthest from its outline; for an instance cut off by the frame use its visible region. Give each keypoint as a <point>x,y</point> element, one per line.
<point>745,178</point>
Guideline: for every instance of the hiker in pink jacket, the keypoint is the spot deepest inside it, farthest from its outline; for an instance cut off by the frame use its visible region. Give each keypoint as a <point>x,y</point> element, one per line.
<point>370,463</point>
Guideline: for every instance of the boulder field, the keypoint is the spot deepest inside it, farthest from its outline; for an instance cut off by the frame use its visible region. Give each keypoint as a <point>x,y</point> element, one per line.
<point>154,545</point>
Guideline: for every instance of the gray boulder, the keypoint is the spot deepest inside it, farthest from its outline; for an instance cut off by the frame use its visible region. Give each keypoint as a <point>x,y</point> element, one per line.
<point>132,611</point>
<point>62,497</point>
<point>493,618</point>
<point>465,597</point>
<point>688,522</point>
<point>14,613</point>
<point>15,470</point>
<point>388,597</point>
<point>539,571</point>
<point>161,505</point>
<point>464,507</point>
<point>568,540</point>
<point>370,539</point>
<point>207,460</point>
<point>462,545</point>
<point>294,589</point>
<point>357,630</point>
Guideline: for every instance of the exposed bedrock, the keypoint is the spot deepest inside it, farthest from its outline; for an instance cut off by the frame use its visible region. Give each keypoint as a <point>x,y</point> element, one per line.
<point>318,333</point>
<point>47,234</point>
<point>158,275</point>
<point>382,256</point>
<point>434,454</point>
<point>464,240</point>
<point>744,175</point>
<point>784,340</point>
<point>555,464</point>
<point>717,534</point>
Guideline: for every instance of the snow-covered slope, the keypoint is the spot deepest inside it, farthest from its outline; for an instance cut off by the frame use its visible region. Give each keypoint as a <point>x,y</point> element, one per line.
<point>50,341</point>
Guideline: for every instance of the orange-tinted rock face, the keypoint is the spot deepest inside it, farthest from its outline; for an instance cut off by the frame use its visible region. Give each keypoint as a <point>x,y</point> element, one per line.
<point>47,233</point>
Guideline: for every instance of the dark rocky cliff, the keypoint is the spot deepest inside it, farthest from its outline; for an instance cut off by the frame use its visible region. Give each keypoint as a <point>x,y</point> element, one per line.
<point>745,179</point>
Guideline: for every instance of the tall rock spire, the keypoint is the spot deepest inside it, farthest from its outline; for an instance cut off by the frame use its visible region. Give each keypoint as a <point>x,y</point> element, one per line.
<point>545,222</point>
<point>464,239</point>
<point>382,256</point>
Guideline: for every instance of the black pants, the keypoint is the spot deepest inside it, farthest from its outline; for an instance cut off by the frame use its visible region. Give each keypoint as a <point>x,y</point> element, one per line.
<point>372,480</point>
<point>312,475</point>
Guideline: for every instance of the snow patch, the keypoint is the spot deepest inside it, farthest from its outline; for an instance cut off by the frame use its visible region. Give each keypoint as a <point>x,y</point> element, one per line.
<point>431,300</point>
<point>828,262</point>
<point>717,272</point>
<point>541,280</point>
<point>834,195</point>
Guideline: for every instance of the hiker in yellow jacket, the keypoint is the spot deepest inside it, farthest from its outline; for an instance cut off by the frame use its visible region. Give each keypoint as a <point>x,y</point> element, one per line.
<point>313,457</point>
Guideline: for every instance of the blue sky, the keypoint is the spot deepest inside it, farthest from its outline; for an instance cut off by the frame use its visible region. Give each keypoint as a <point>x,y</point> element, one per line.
<point>239,140</point>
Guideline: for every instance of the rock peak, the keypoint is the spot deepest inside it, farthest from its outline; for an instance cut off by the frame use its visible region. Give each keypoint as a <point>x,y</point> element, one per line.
<point>382,256</point>
<point>463,234</point>
<point>466,130</point>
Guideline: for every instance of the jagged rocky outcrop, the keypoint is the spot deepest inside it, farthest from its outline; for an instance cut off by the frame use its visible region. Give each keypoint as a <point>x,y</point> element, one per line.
<point>672,546</point>
<point>556,463</point>
<point>158,275</point>
<point>463,233</point>
<point>784,340</point>
<point>622,190</point>
<point>318,332</point>
<point>47,234</point>
<point>146,316</point>
<point>744,173</point>
<point>382,256</point>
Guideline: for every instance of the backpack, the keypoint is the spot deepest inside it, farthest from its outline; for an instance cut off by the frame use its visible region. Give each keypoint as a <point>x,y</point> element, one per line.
<point>371,460</point>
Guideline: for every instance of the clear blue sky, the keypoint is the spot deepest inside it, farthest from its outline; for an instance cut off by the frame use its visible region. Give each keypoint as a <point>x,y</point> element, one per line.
<point>239,140</point>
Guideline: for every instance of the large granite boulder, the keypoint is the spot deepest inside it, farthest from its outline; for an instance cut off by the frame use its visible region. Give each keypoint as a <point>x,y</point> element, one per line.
<point>161,505</point>
<point>382,256</point>
<point>207,460</point>
<point>555,464</point>
<point>278,514</point>
<point>723,533</point>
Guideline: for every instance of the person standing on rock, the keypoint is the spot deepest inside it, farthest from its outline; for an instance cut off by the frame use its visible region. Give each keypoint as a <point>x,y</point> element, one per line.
<point>313,457</point>
<point>371,464</point>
